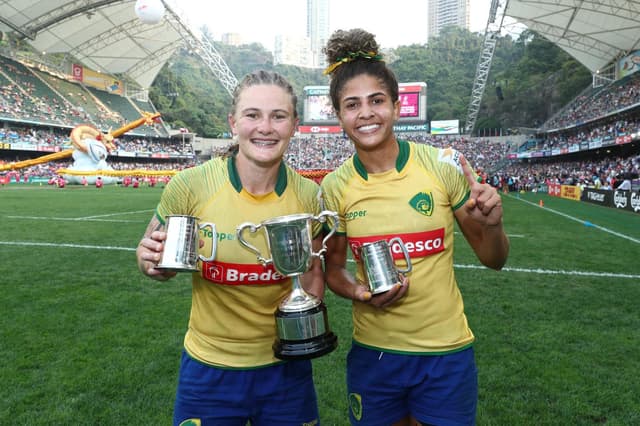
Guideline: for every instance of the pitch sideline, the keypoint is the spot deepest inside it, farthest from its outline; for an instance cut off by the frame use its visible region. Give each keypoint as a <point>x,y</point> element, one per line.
<point>506,269</point>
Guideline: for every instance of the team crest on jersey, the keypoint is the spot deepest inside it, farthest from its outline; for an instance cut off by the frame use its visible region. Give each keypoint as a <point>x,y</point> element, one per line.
<point>450,156</point>
<point>355,404</point>
<point>422,202</point>
<point>191,422</point>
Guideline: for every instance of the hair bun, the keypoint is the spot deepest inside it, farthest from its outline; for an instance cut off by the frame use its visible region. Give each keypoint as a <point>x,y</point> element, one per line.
<point>343,44</point>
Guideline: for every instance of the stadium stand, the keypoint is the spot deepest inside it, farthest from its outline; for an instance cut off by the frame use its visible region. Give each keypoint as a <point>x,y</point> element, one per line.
<point>592,141</point>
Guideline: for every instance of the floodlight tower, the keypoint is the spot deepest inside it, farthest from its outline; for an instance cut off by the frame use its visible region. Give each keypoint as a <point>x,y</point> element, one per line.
<point>199,44</point>
<point>491,33</point>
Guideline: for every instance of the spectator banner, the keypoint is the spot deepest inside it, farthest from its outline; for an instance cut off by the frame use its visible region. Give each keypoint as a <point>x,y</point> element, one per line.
<point>411,128</point>
<point>98,80</point>
<point>570,192</point>
<point>595,144</point>
<point>625,200</point>
<point>623,139</point>
<point>606,140</point>
<point>319,129</point>
<point>554,189</point>
<point>445,127</point>
<point>601,197</point>
<point>629,64</point>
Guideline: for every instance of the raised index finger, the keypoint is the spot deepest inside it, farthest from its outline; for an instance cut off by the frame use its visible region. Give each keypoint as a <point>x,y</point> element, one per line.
<point>468,173</point>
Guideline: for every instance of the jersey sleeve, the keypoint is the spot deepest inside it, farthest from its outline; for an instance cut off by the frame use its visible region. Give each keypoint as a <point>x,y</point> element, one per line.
<point>331,199</point>
<point>451,173</point>
<point>177,193</point>
<point>186,190</point>
<point>445,164</point>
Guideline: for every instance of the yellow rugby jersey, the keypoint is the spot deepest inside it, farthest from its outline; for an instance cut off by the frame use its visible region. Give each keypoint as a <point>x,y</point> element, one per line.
<point>414,201</point>
<point>234,298</point>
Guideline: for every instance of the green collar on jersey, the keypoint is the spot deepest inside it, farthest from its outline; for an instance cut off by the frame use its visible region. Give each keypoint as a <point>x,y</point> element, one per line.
<point>401,161</point>
<point>281,183</point>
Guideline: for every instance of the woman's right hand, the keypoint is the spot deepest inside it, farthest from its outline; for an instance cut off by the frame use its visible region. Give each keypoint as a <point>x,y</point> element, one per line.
<point>149,254</point>
<point>391,296</point>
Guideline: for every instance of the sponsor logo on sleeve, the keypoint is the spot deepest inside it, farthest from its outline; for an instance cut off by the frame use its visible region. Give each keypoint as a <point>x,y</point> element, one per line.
<point>450,156</point>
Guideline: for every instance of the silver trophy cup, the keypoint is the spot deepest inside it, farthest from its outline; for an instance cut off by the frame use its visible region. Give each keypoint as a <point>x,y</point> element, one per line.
<point>379,268</point>
<point>181,246</point>
<point>301,319</point>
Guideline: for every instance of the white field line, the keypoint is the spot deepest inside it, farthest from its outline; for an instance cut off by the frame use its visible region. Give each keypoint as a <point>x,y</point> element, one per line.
<point>96,218</point>
<point>584,222</point>
<point>118,214</point>
<point>68,245</point>
<point>506,269</point>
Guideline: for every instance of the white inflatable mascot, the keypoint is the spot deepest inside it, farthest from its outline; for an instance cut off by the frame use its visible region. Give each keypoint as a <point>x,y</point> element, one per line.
<point>91,149</point>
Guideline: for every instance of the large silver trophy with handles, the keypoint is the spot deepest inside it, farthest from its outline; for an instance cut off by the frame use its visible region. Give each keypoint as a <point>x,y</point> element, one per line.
<point>301,319</point>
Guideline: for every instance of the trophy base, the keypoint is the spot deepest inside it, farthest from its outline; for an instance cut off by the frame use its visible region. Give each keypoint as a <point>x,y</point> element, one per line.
<point>307,349</point>
<point>303,334</point>
<point>177,267</point>
<point>382,289</point>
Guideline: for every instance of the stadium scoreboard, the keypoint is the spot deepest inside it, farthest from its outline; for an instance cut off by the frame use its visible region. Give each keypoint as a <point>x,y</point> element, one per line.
<point>318,109</point>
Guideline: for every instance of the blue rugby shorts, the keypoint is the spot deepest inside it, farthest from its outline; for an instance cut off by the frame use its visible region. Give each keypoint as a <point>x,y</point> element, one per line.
<point>276,395</point>
<point>385,387</point>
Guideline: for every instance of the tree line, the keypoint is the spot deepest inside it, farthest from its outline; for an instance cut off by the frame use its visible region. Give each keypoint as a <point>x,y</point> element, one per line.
<point>530,79</point>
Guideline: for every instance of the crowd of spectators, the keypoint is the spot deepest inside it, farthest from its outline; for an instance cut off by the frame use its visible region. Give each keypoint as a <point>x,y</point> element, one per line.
<point>59,137</point>
<point>603,130</point>
<point>29,96</point>
<point>489,159</point>
<point>597,115</point>
<point>325,152</point>
<point>606,173</point>
<point>598,103</point>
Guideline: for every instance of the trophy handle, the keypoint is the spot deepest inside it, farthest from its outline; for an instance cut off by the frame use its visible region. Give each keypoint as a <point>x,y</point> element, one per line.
<point>253,229</point>
<point>322,217</point>
<point>404,252</point>
<point>214,241</point>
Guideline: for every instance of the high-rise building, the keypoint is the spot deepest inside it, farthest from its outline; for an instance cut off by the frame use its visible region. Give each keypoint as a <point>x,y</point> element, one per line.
<point>232,39</point>
<point>292,50</point>
<point>317,29</point>
<point>443,13</point>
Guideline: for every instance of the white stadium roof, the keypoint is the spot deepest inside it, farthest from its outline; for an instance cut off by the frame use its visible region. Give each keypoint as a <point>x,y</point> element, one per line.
<point>104,35</point>
<point>594,32</point>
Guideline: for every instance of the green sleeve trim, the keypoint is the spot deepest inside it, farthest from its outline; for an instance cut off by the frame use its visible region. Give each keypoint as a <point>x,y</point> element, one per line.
<point>327,228</point>
<point>281,182</point>
<point>464,200</point>
<point>233,174</point>
<point>403,154</point>
<point>160,218</point>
